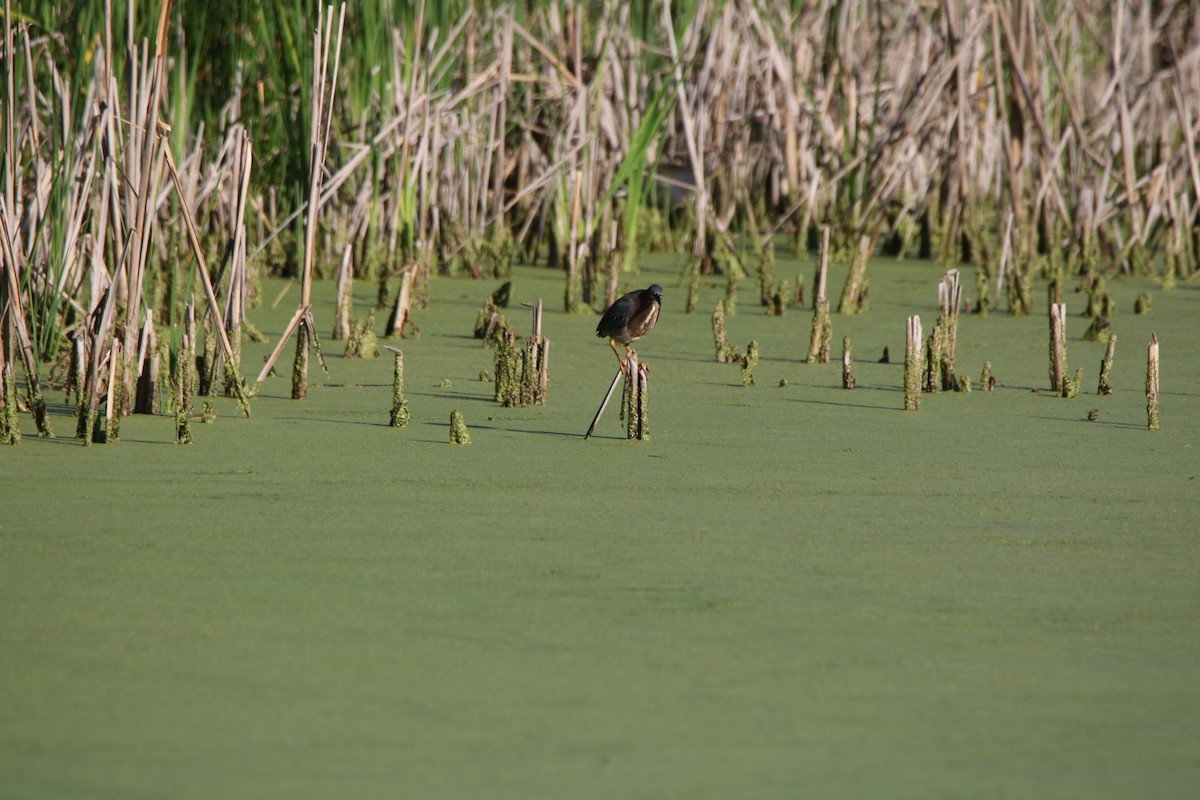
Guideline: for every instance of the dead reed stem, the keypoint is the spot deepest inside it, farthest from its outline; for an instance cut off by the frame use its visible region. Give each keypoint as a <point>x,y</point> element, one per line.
<point>1105,384</point>
<point>847,364</point>
<point>1058,345</point>
<point>1153,420</point>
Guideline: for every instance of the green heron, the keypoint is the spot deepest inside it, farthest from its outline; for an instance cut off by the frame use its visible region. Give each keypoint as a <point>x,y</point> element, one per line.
<point>630,318</point>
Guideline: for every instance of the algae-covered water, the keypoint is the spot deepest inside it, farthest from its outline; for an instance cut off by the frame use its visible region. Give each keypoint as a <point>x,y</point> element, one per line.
<point>790,591</point>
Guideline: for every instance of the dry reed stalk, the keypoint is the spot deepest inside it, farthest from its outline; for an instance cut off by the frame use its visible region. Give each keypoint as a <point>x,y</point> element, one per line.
<point>148,363</point>
<point>345,300</point>
<point>150,159</point>
<point>695,153</point>
<point>323,91</point>
<point>1152,413</point>
<point>604,404</point>
<point>949,304</point>
<point>399,320</point>
<point>1105,384</point>
<point>822,329</point>
<point>1058,345</point>
<point>14,315</point>
<point>214,308</point>
<point>847,364</point>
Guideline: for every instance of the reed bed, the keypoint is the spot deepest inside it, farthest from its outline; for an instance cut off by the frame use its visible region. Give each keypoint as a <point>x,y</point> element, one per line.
<point>152,158</point>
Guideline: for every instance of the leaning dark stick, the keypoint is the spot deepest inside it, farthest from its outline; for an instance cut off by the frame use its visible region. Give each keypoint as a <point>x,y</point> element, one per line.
<point>604,405</point>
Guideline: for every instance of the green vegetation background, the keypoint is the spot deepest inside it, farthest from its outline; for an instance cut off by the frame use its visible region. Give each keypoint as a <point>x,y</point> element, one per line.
<point>789,591</point>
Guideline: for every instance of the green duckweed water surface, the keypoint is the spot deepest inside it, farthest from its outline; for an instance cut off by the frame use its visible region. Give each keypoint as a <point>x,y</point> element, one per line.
<point>790,591</point>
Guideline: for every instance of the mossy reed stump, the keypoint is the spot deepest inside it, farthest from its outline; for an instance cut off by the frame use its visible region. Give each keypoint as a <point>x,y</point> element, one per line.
<point>749,362</point>
<point>912,365</point>
<point>399,323</point>
<point>636,396</point>
<point>1152,413</point>
<point>523,371</point>
<point>1100,302</point>
<point>987,381</point>
<point>933,361</point>
<point>10,429</point>
<point>458,428</point>
<point>847,364</point>
<point>856,291</point>
<point>400,415</point>
<point>1143,303</point>
<point>949,305</point>
<point>720,335</point>
<point>362,341</point>
<point>1105,384</point>
<point>729,302</point>
<point>508,363</point>
<point>780,299</point>
<point>1070,386</point>
<point>110,431</point>
<point>487,321</point>
<point>822,334</point>
<point>1098,331</point>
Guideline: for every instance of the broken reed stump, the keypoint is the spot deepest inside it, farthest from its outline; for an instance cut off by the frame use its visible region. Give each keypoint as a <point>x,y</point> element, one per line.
<point>1098,331</point>
<point>10,429</point>
<point>149,364</point>
<point>720,336</point>
<point>1070,387</point>
<point>1058,346</point>
<point>112,411</point>
<point>508,363</point>
<point>399,320</point>
<point>856,290</point>
<point>847,368</point>
<point>1105,384</point>
<point>933,361</point>
<point>987,380</point>
<point>822,334</point>
<point>636,396</point>
<point>185,377</point>
<point>1152,415</point>
<point>780,299</point>
<point>749,362</point>
<point>912,365</point>
<point>345,298</point>
<point>1099,301</point>
<point>523,372</point>
<point>458,428</point>
<point>487,321</point>
<point>822,328</point>
<point>362,341</point>
<point>949,304</point>
<point>535,371</point>
<point>400,415</point>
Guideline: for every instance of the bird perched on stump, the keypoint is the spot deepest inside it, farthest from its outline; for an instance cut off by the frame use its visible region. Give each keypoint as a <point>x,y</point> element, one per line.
<point>630,318</point>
